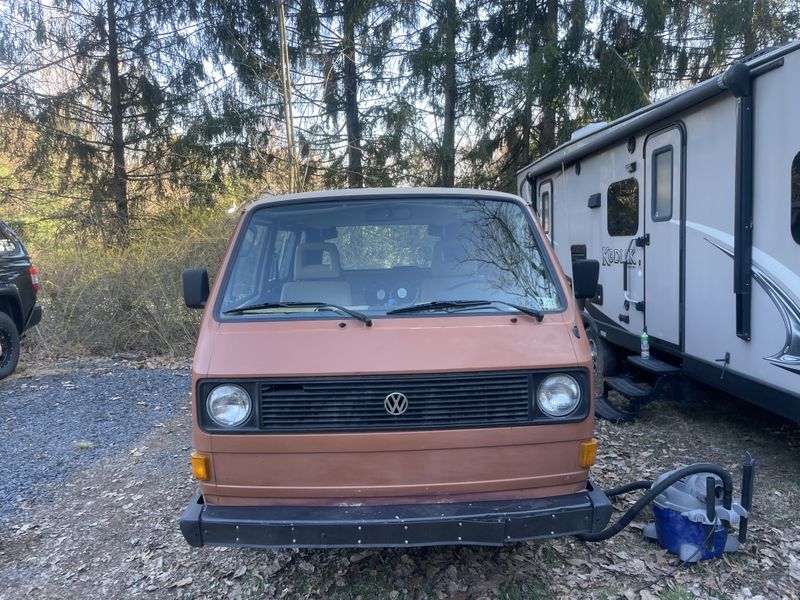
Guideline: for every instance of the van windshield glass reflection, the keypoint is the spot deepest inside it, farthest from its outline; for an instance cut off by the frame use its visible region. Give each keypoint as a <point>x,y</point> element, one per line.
<point>378,255</point>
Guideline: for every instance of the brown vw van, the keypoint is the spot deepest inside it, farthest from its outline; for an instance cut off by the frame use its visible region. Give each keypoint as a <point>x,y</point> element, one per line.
<point>391,367</point>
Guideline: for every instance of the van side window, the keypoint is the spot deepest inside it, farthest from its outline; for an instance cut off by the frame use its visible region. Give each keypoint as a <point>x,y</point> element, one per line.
<point>662,184</point>
<point>284,254</point>
<point>794,219</point>
<point>244,286</point>
<point>623,207</point>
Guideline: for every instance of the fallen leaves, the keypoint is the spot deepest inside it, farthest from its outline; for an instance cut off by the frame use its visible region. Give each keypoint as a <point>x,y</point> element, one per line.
<point>181,583</point>
<point>115,534</point>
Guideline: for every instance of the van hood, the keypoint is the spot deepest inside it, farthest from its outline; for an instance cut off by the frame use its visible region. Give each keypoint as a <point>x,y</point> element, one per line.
<point>392,345</point>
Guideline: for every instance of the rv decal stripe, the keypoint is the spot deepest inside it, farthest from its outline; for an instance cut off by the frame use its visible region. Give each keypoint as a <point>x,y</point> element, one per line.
<point>789,356</point>
<point>776,268</point>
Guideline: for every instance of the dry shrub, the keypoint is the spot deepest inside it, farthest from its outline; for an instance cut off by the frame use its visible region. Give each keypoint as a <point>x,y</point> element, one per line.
<point>101,301</point>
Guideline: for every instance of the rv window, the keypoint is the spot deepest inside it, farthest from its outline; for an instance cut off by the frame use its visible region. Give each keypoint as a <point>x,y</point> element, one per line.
<point>546,213</point>
<point>662,184</point>
<point>795,215</point>
<point>623,207</point>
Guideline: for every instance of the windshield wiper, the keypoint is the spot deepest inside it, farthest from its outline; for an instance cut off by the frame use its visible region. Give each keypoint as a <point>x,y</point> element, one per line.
<point>456,304</point>
<point>263,305</point>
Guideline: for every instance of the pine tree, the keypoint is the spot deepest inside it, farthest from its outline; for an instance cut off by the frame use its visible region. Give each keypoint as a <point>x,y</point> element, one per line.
<point>451,79</point>
<point>356,53</point>
<point>103,88</point>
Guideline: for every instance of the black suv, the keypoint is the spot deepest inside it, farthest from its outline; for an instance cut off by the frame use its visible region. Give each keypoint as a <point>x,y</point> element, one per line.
<point>19,284</point>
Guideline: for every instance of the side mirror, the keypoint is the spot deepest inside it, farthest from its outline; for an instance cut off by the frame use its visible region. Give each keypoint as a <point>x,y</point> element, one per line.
<point>195,287</point>
<point>585,274</point>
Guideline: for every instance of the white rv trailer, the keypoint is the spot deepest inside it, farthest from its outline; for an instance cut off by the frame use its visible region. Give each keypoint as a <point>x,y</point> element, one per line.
<point>692,207</point>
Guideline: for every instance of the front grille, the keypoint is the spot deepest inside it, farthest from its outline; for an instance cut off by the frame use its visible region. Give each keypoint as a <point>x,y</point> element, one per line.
<point>434,402</point>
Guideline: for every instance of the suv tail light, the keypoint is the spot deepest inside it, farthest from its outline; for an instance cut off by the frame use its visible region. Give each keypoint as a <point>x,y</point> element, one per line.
<point>34,279</point>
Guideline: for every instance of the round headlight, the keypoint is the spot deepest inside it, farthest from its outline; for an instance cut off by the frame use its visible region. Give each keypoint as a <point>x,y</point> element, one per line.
<point>558,395</point>
<point>229,405</point>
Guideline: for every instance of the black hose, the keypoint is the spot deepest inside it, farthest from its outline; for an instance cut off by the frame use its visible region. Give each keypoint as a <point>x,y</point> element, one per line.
<point>672,478</point>
<point>642,484</point>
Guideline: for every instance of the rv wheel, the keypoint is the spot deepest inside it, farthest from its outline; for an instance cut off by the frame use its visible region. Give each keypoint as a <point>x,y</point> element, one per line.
<point>604,361</point>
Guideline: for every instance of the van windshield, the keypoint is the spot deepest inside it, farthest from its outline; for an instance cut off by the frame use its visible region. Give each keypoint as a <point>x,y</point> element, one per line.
<point>374,256</point>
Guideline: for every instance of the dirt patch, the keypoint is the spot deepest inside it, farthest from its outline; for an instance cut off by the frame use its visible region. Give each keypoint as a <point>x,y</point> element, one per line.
<point>111,531</point>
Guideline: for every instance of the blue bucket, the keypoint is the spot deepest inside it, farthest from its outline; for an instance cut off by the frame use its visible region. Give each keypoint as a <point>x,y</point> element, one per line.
<point>675,530</point>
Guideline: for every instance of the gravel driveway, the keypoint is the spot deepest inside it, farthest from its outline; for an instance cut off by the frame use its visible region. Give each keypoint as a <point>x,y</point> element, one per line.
<point>102,522</point>
<point>55,424</point>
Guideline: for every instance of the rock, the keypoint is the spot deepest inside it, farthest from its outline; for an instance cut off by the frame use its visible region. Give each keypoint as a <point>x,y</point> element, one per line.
<point>307,567</point>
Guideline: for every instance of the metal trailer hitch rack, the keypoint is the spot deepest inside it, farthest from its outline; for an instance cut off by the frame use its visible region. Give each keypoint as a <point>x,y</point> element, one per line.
<point>694,509</point>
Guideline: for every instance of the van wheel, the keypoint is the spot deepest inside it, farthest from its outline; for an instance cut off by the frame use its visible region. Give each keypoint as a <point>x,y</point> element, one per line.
<point>9,345</point>
<point>604,360</point>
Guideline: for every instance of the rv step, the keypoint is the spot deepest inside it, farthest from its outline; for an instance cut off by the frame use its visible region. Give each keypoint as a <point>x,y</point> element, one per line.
<point>626,387</point>
<point>605,410</point>
<point>653,365</point>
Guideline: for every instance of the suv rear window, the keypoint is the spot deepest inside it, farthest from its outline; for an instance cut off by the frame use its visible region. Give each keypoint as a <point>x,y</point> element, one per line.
<point>8,243</point>
<point>384,246</point>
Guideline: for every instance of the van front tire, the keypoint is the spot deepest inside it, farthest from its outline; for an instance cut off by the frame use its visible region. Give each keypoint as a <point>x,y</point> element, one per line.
<point>604,360</point>
<point>9,345</point>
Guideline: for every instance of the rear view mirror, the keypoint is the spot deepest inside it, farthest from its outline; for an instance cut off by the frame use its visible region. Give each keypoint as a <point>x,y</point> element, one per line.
<point>195,287</point>
<point>585,274</point>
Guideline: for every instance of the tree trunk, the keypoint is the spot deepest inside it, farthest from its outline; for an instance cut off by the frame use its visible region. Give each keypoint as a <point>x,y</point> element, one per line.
<point>120,179</point>
<point>355,173</point>
<point>288,113</point>
<point>749,30</point>
<point>448,154</point>
<point>524,155</point>
<point>547,137</point>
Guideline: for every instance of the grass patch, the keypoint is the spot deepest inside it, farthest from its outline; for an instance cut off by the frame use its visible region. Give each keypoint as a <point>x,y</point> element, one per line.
<point>677,593</point>
<point>531,589</point>
<point>549,555</point>
<point>368,585</point>
<point>609,593</point>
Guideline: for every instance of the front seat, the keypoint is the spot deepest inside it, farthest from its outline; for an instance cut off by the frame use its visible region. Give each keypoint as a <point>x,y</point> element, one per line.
<point>317,276</point>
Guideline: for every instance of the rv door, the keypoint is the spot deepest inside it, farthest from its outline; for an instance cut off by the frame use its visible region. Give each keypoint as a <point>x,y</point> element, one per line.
<point>663,167</point>
<point>622,259</point>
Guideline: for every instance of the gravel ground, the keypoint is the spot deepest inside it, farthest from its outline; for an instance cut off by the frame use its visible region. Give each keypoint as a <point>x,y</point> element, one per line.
<point>58,423</point>
<point>110,531</point>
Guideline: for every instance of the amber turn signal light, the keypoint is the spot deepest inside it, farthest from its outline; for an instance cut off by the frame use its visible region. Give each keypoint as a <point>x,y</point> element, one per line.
<point>201,466</point>
<point>587,453</point>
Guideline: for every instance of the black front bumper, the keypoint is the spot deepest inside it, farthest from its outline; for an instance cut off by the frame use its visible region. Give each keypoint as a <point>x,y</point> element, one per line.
<point>396,525</point>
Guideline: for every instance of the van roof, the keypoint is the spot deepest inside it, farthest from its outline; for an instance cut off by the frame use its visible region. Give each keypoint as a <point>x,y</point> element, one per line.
<point>385,192</point>
<point>575,149</point>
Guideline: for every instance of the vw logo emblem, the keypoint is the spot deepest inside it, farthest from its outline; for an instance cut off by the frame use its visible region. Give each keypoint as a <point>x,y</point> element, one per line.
<point>395,403</point>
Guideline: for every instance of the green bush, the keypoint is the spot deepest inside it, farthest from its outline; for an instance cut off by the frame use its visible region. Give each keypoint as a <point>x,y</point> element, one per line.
<point>100,301</point>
